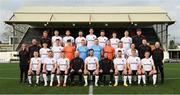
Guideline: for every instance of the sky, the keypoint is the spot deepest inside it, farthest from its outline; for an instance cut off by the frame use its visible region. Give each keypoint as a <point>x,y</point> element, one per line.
<point>7,7</point>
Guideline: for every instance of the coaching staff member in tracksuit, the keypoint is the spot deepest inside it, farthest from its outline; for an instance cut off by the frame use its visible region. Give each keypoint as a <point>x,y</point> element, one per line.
<point>24,62</point>
<point>33,47</point>
<point>76,68</point>
<point>158,55</point>
<point>144,47</point>
<point>137,39</point>
<point>106,68</point>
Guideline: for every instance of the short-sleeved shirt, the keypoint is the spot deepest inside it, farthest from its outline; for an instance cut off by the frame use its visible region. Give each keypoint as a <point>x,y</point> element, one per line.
<point>114,42</point>
<point>78,41</point>
<point>129,52</point>
<point>49,63</point>
<point>120,62</point>
<point>67,38</point>
<point>83,52</point>
<point>35,62</point>
<point>54,38</point>
<point>57,51</point>
<point>133,62</point>
<point>102,40</point>
<point>126,42</point>
<point>147,64</point>
<point>91,62</point>
<point>44,52</point>
<point>97,51</point>
<point>63,63</point>
<point>123,50</point>
<point>90,40</point>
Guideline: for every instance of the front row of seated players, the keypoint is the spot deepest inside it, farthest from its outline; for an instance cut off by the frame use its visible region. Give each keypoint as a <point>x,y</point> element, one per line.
<point>133,66</point>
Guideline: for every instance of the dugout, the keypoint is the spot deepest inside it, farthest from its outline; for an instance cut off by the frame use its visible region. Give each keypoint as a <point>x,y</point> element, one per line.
<point>29,22</point>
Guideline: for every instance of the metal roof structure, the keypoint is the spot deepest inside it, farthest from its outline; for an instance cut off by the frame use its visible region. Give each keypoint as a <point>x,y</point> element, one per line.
<point>50,14</point>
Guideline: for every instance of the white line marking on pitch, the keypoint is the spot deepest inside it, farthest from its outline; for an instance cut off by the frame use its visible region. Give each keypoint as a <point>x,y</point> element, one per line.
<point>90,89</point>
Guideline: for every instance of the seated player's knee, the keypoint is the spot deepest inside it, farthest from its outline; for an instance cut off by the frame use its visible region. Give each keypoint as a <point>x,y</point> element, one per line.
<point>129,72</point>
<point>142,72</point>
<point>66,72</point>
<point>154,72</point>
<point>52,72</point>
<point>139,72</point>
<point>44,72</point>
<point>29,73</point>
<point>37,73</point>
<point>124,72</point>
<point>86,73</point>
<point>95,73</point>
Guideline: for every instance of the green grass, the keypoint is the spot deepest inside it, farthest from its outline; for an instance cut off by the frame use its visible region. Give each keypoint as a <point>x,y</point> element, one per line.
<point>12,86</point>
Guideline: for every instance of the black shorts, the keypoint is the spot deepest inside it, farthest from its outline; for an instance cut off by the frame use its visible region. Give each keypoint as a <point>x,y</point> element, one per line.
<point>91,72</point>
<point>61,73</point>
<point>106,72</point>
<point>147,72</point>
<point>76,73</point>
<point>120,72</point>
<point>134,72</point>
<point>34,72</point>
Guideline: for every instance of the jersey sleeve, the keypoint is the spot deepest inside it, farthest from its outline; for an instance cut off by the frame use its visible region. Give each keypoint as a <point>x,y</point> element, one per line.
<point>114,61</point>
<point>96,59</point>
<point>139,61</point>
<point>152,61</point>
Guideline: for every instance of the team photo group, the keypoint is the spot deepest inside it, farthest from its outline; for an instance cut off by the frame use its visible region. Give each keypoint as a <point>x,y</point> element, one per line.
<point>86,59</point>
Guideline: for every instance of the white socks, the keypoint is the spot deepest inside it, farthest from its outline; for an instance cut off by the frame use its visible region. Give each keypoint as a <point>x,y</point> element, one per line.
<point>139,79</point>
<point>45,79</point>
<point>154,79</point>
<point>96,79</point>
<point>130,79</point>
<point>85,79</point>
<point>144,79</point>
<point>65,79</point>
<point>37,79</point>
<point>29,79</point>
<point>58,79</point>
<point>116,79</point>
<point>52,78</point>
<point>125,79</point>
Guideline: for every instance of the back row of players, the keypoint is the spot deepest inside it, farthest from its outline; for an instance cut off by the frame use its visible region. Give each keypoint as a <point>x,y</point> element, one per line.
<point>92,56</point>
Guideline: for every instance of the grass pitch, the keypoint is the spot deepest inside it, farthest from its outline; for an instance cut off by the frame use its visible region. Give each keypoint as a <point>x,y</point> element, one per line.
<point>9,84</point>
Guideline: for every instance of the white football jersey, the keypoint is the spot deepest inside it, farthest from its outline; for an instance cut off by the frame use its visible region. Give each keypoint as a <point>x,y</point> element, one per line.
<point>57,51</point>
<point>91,62</point>
<point>90,40</point>
<point>102,41</point>
<point>63,63</point>
<point>114,42</point>
<point>49,63</point>
<point>35,62</point>
<point>54,38</point>
<point>147,64</point>
<point>120,62</point>
<point>78,41</point>
<point>122,50</point>
<point>44,52</point>
<point>126,42</point>
<point>67,38</point>
<point>129,53</point>
<point>133,62</point>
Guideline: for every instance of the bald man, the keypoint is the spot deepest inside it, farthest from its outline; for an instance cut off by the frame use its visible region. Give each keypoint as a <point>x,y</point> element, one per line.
<point>76,66</point>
